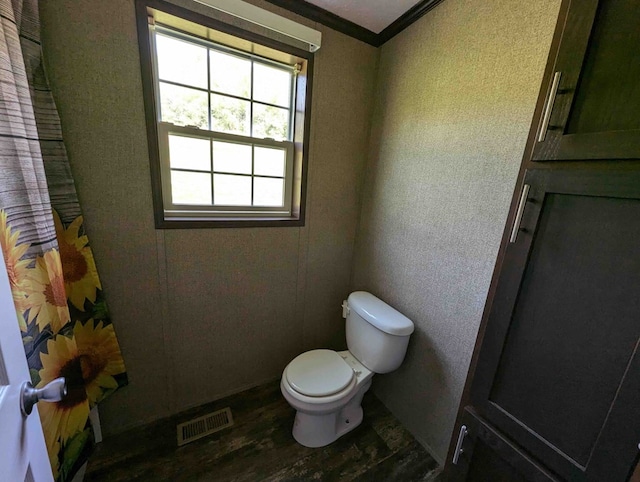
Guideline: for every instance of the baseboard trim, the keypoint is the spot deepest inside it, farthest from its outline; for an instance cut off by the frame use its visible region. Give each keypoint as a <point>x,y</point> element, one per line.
<point>179,410</point>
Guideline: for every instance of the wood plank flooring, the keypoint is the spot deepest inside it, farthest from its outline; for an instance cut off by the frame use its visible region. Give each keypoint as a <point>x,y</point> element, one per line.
<point>260,447</point>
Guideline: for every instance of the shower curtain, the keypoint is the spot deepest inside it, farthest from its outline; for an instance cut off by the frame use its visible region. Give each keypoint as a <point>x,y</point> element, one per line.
<point>56,290</point>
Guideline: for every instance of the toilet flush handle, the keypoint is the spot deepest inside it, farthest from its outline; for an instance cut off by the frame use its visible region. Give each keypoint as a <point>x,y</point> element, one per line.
<point>345,309</point>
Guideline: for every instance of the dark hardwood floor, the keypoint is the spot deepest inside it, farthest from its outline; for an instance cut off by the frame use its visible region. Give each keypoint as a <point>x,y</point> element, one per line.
<point>259,446</point>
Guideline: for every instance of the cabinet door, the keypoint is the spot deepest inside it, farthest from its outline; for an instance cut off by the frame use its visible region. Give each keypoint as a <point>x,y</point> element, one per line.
<point>559,371</point>
<point>592,108</point>
<point>487,455</point>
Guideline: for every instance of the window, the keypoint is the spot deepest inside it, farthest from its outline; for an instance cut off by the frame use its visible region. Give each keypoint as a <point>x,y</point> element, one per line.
<point>227,120</point>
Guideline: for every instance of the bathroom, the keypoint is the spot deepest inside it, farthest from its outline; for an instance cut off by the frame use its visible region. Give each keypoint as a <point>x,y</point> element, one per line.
<point>413,154</point>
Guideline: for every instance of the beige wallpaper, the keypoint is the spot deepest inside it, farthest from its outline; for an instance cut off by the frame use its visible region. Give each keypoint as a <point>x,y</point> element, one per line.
<point>204,313</point>
<point>456,93</point>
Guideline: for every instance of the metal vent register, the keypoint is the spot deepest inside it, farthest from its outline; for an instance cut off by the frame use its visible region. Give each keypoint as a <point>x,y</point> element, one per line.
<point>203,426</point>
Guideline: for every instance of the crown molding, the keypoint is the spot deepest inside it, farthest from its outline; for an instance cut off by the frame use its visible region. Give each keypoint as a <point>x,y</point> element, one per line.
<point>331,20</point>
<point>409,17</point>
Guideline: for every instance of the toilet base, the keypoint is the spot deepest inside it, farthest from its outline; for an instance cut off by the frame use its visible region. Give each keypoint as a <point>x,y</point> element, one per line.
<point>319,430</point>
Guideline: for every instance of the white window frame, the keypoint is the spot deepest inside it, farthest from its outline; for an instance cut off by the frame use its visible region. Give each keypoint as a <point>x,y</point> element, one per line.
<point>180,211</point>
<point>164,130</point>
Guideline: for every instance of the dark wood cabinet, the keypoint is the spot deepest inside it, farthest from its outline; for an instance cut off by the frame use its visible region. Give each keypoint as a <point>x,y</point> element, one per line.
<point>559,370</point>
<point>592,101</point>
<point>487,455</point>
<point>553,391</point>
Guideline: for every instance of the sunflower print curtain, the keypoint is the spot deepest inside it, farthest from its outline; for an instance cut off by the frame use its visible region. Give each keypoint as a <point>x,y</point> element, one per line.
<point>57,293</point>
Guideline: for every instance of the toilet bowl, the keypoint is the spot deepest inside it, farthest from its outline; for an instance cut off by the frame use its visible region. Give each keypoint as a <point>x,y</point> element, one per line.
<point>326,387</point>
<point>327,403</point>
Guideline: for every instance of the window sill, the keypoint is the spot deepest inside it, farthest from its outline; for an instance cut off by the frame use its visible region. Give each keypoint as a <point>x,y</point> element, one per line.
<point>245,222</point>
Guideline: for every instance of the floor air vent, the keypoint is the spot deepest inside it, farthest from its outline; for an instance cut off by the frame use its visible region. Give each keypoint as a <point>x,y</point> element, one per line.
<point>203,426</point>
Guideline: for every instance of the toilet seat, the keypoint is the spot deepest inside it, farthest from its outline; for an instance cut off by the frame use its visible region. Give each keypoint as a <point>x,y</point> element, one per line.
<point>319,373</point>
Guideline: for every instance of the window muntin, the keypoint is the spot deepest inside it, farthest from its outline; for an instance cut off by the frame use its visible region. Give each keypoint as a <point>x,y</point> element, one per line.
<point>225,128</point>
<point>209,173</point>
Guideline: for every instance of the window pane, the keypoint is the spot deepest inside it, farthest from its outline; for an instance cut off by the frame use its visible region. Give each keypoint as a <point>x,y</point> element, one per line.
<point>181,62</point>
<point>270,122</point>
<point>271,85</point>
<point>230,74</point>
<point>183,106</point>
<point>269,162</point>
<point>190,187</point>
<point>231,157</point>
<point>189,153</point>
<point>268,192</point>
<point>231,190</point>
<point>229,115</point>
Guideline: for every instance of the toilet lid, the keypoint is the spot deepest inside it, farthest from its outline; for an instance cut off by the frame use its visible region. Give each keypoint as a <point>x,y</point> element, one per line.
<point>319,373</point>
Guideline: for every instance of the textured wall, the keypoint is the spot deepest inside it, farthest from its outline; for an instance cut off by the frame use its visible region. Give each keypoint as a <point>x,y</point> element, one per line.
<point>203,313</point>
<point>456,93</point>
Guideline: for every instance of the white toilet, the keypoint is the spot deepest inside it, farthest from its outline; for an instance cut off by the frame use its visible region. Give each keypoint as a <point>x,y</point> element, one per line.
<point>326,387</point>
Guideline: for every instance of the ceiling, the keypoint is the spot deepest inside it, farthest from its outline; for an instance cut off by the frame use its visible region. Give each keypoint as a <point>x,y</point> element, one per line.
<point>374,15</point>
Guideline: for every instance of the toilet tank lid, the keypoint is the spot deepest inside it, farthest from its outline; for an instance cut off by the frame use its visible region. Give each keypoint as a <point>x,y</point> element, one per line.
<point>380,314</point>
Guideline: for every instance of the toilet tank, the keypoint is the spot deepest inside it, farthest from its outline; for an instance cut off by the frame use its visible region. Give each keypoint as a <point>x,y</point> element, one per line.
<point>377,334</point>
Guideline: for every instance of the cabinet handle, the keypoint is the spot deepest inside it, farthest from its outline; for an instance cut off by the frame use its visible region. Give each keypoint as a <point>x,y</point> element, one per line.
<point>548,106</point>
<point>459,450</point>
<point>519,213</point>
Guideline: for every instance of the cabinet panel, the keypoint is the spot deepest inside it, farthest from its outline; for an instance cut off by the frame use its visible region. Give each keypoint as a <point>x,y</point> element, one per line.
<point>618,445</point>
<point>487,464</point>
<point>563,329</point>
<point>488,455</point>
<point>594,108</point>
<point>608,95</point>
<point>571,307</point>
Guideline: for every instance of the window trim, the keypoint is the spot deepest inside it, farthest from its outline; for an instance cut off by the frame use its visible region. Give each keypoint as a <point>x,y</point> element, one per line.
<point>301,121</point>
